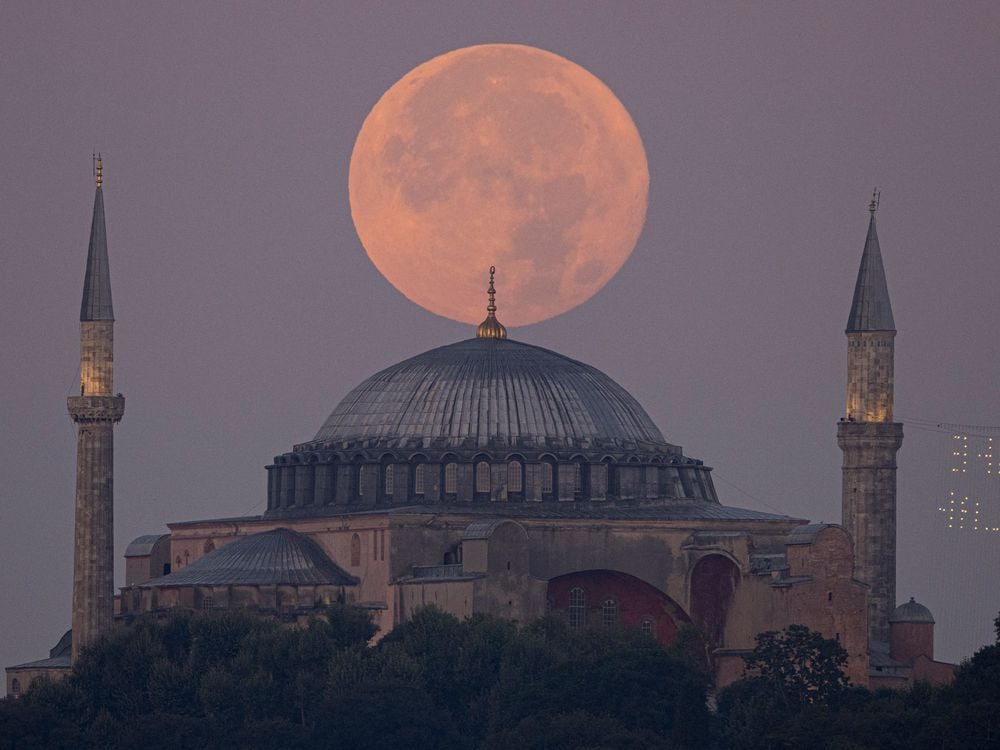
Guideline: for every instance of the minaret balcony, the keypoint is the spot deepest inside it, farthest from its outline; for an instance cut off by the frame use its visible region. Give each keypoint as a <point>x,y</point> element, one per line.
<point>91,409</point>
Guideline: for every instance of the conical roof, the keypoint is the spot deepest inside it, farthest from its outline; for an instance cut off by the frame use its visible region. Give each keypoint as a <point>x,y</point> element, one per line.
<point>270,558</point>
<point>870,310</point>
<point>96,303</point>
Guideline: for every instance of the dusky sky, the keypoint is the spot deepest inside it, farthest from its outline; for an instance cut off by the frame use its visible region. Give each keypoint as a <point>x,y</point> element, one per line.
<point>246,307</point>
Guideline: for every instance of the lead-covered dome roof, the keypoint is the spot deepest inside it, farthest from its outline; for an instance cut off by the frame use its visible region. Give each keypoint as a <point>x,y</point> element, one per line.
<point>485,389</point>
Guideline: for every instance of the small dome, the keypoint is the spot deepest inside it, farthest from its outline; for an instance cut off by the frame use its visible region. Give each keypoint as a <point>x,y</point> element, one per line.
<point>491,388</point>
<point>913,612</point>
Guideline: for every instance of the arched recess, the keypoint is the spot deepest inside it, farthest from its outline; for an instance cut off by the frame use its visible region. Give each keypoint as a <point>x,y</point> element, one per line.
<point>635,601</point>
<point>714,579</point>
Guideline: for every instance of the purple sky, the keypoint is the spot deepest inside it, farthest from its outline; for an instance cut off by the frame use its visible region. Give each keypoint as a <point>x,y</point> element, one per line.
<point>246,307</point>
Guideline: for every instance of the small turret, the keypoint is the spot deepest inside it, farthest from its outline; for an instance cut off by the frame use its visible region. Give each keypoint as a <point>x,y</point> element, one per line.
<point>911,632</point>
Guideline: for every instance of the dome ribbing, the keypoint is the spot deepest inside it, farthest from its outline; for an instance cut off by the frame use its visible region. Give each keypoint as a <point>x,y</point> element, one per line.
<point>485,389</point>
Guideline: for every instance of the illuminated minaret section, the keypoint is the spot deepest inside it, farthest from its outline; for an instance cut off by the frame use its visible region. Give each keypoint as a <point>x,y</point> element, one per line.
<point>95,412</point>
<point>869,438</point>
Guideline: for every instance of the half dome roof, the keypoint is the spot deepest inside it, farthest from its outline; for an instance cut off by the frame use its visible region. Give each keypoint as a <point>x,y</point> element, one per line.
<point>269,558</point>
<point>485,389</point>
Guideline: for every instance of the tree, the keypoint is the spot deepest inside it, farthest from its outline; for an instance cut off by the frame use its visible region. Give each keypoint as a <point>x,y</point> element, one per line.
<point>801,664</point>
<point>788,673</point>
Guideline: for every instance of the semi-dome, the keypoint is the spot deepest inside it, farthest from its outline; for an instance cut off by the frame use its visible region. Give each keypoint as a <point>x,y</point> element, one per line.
<point>488,389</point>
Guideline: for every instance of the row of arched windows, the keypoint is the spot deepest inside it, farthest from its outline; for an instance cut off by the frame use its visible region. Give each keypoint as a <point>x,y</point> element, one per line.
<point>312,483</point>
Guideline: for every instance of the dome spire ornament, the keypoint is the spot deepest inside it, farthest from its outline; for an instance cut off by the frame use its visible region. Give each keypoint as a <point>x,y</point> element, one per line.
<point>491,328</point>
<point>98,169</point>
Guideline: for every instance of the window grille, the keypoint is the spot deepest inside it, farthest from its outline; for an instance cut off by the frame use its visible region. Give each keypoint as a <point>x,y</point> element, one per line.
<point>515,474</point>
<point>609,612</point>
<point>483,484</point>
<point>577,608</point>
<point>208,603</point>
<point>547,485</point>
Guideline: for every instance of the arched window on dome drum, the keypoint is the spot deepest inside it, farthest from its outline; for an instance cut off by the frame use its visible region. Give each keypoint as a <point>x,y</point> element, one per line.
<point>419,471</point>
<point>601,478</point>
<point>451,478</point>
<point>581,480</point>
<point>355,551</point>
<point>483,483</point>
<point>577,611</point>
<point>609,612</point>
<point>515,477</point>
<point>390,479</point>
<point>548,486</point>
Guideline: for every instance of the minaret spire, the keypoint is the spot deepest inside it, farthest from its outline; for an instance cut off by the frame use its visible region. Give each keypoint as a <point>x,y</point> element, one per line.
<point>95,411</point>
<point>870,309</point>
<point>491,328</point>
<point>96,304</point>
<point>869,437</point>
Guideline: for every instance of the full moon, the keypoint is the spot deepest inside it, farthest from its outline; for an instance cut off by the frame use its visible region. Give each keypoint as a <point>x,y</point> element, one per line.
<point>503,155</point>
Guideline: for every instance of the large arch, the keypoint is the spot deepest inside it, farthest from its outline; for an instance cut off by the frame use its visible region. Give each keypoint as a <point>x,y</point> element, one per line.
<point>714,579</point>
<point>612,597</point>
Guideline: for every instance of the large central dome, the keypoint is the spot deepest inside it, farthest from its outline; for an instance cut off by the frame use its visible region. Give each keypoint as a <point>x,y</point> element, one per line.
<point>482,421</point>
<point>486,389</point>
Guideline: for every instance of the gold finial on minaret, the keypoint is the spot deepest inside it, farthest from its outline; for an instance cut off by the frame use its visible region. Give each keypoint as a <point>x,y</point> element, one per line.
<point>876,197</point>
<point>97,171</point>
<point>491,328</point>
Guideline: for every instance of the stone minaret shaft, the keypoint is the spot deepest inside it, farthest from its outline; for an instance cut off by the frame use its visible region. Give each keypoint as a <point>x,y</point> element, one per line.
<point>870,439</point>
<point>95,411</point>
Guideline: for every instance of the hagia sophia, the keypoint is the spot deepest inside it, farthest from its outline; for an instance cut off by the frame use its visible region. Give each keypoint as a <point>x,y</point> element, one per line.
<point>493,476</point>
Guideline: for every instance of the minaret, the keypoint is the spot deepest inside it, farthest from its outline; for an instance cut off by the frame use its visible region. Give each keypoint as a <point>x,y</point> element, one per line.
<point>870,438</point>
<point>95,411</point>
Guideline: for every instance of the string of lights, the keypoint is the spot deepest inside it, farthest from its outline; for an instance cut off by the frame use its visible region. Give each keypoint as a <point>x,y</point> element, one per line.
<point>973,492</point>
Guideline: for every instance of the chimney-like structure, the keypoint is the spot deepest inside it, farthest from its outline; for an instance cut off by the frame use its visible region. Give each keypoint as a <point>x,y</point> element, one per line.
<point>95,412</point>
<point>869,438</point>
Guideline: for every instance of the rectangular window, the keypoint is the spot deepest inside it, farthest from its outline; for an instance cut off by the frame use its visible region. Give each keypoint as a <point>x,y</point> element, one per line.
<point>390,479</point>
<point>451,478</point>
<point>418,480</point>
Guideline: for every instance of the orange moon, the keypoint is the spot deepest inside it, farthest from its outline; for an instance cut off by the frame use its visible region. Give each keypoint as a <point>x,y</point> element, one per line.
<point>505,155</point>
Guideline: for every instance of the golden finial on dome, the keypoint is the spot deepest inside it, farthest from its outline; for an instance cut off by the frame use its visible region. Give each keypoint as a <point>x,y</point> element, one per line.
<point>491,328</point>
<point>97,171</point>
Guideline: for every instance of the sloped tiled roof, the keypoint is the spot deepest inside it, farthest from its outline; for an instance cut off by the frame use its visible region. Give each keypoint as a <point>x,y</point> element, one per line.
<point>270,558</point>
